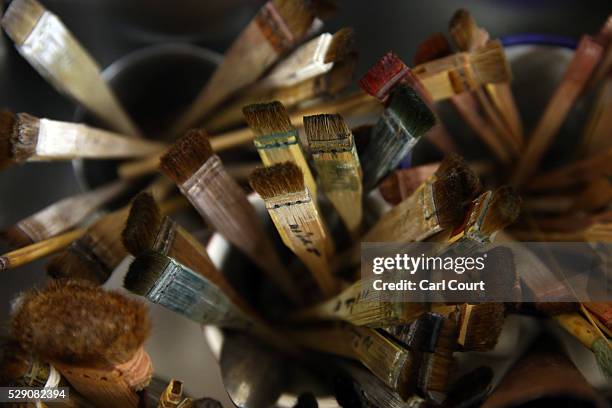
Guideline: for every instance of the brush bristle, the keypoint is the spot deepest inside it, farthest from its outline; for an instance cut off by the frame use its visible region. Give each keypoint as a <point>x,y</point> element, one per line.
<point>144,272</point>
<point>378,77</point>
<point>267,118</point>
<point>75,322</point>
<point>15,237</point>
<point>341,75</point>
<point>14,362</point>
<point>325,127</point>
<point>462,28</point>
<point>7,127</point>
<point>297,15</point>
<point>20,18</point>
<point>503,210</point>
<point>142,224</point>
<point>342,45</point>
<point>603,355</point>
<point>436,371</point>
<point>77,263</point>
<point>483,327</point>
<point>186,155</point>
<point>277,180</point>
<point>490,64</point>
<point>25,137</point>
<point>414,114</point>
<point>433,47</point>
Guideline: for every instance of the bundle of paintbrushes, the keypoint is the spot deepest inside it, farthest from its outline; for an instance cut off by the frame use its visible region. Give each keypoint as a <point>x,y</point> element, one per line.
<point>290,259</point>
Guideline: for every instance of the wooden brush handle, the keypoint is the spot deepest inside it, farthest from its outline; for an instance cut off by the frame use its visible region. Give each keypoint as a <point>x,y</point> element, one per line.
<point>578,327</point>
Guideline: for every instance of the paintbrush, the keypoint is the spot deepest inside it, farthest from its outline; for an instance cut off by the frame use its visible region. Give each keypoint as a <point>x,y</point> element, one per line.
<point>172,395</point>
<point>102,356</point>
<point>390,71</point>
<point>395,366</point>
<point>334,154</point>
<point>45,42</point>
<point>468,36</point>
<point>595,136</point>
<point>297,219</point>
<point>276,139</point>
<point>96,254</point>
<point>571,86</point>
<point>402,183</point>
<point>27,138</point>
<point>61,215</point>
<point>278,26</point>
<point>404,121</point>
<point>480,325</point>
<point>201,177</point>
<point>353,105</point>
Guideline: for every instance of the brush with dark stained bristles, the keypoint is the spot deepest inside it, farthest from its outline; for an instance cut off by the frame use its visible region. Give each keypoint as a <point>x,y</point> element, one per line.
<point>102,356</point>
<point>335,158</point>
<point>61,216</point>
<point>480,326</point>
<point>45,42</point>
<point>276,28</point>
<point>201,177</point>
<point>297,219</point>
<point>588,53</point>
<point>402,183</point>
<point>277,140</point>
<point>32,139</point>
<point>400,127</point>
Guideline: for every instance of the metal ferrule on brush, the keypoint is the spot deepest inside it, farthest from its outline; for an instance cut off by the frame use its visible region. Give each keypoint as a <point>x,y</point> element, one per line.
<point>276,140</point>
<point>188,293</point>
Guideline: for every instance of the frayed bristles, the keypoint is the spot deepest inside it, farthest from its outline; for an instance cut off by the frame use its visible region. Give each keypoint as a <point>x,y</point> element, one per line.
<point>490,64</point>
<point>25,138</point>
<point>75,322</point>
<point>378,77</point>
<point>267,118</point>
<point>77,262</point>
<point>603,356</point>
<point>326,127</point>
<point>435,372</point>
<point>144,272</point>
<point>342,45</point>
<point>414,114</point>
<point>503,210</point>
<point>277,180</point>
<point>452,193</point>
<point>186,155</point>
<point>462,28</point>
<point>433,47</point>
<point>7,127</point>
<point>480,329</point>
<point>297,15</point>
<point>20,18</point>
<point>142,224</point>
<point>15,237</point>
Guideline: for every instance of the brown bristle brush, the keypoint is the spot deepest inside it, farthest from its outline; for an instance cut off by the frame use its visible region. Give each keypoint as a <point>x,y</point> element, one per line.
<point>102,356</point>
<point>201,177</point>
<point>480,325</point>
<point>276,28</point>
<point>400,184</point>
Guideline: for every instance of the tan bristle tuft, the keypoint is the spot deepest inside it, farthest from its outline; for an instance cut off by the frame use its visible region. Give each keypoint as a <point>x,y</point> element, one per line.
<point>267,118</point>
<point>25,137</point>
<point>144,272</point>
<point>277,180</point>
<point>490,64</point>
<point>503,210</point>
<point>436,371</point>
<point>75,322</point>
<point>75,263</point>
<point>297,15</point>
<point>142,224</point>
<point>342,45</point>
<point>462,28</point>
<point>483,326</point>
<point>186,155</point>
<point>7,127</point>
<point>15,237</point>
<point>325,127</point>
<point>14,362</point>
<point>20,18</point>
<point>433,47</point>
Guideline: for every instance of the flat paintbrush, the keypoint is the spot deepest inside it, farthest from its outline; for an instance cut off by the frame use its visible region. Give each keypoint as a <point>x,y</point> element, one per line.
<point>276,28</point>
<point>201,177</point>
<point>61,215</point>
<point>276,140</point>
<point>297,219</point>
<point>102,356</point>
<point>45,42</point>
<point>402,183</point>
<point>334,154</point>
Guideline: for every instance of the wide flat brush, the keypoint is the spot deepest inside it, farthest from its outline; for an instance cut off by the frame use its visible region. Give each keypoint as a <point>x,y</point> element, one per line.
<point>277,140</point>
<point>297,219</point>
<point>45,42</point>
<point>202,178</point>
<point>61,215</point>
<point>573,82</point>
<point>278,26</point>
<point>405,120</point>
<point>334,154</point>
<point>102,356</point>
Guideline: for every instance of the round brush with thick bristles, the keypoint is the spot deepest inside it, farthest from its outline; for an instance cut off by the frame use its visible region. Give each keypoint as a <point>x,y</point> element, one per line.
<point>102,356</point>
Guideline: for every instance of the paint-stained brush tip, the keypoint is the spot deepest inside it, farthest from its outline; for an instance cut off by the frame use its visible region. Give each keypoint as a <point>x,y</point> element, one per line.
<point>144,272</point>
<point>277,180</point>
<point>186,155</point>
<point>142,224</point>
<point>342,44</point>
<point>503,210</point>
<point>389,68</point>
<point>413,112</point>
